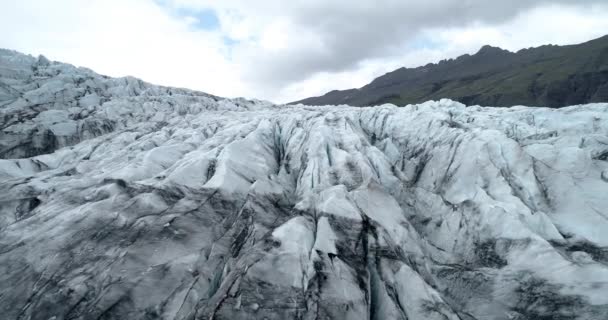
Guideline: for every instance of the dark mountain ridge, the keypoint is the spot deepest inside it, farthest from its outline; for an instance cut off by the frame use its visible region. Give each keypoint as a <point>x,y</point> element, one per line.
<point>549,75</point>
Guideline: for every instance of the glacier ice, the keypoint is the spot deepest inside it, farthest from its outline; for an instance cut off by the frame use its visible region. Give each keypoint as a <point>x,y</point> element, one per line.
<point>124,200</point>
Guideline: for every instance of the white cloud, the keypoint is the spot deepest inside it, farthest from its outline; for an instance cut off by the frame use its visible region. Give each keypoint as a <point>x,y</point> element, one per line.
<point>122,37</point>
<point>283,50</point>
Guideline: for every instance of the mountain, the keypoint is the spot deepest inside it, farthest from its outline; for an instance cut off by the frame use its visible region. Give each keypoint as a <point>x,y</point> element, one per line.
<point>125,200</point>
<point>549,76</point>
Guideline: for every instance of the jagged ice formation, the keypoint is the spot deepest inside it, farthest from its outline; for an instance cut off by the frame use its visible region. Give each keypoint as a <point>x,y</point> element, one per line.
<point>124,200</point>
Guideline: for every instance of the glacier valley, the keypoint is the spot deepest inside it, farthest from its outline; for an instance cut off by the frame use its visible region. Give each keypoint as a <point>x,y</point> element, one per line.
<point>125,200</point>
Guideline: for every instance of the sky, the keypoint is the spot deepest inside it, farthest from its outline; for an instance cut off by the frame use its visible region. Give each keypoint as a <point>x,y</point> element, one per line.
<point>282,50</point>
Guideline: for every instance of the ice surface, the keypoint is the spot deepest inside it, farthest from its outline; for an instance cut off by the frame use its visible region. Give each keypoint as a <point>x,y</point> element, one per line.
<point>124,200</point>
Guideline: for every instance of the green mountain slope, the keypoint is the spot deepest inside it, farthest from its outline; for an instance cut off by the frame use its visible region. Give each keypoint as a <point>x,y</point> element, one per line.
<point>551,76</point>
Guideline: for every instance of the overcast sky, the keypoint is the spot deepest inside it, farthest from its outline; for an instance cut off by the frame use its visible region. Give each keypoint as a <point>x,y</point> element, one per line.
<point>282,50</point>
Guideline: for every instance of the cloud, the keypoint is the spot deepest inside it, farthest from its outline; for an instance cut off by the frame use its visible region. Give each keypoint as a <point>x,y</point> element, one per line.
<point>334,36</point>
<point>283,50</point>
<point>123,37</point>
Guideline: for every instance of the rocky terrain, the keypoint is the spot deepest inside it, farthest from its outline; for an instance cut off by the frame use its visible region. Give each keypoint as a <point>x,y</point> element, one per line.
<point>547,76</point>
<point>124,200</point>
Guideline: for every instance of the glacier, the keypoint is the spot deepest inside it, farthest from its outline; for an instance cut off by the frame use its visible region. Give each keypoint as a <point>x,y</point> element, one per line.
<point>120,199</point>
